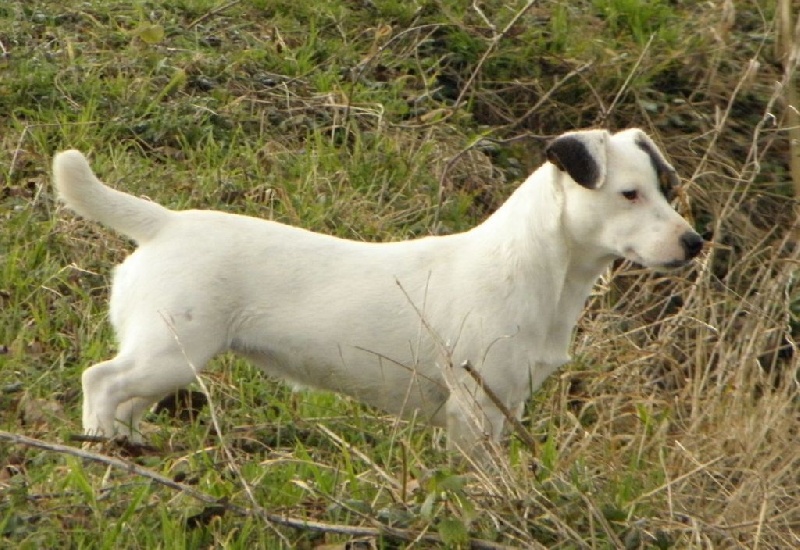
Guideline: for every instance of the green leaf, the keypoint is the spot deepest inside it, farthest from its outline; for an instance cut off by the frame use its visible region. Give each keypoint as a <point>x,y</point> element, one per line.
<point>426,510</point>
<point>452,483</point>
<point>453,532</point>
<point>150,33</point>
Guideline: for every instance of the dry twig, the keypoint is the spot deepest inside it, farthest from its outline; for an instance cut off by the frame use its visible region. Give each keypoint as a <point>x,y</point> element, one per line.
<point>516,425</point>
<point>254,511</point>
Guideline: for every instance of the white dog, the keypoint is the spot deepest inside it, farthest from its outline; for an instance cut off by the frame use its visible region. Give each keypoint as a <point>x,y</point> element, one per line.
<point>389,324</point>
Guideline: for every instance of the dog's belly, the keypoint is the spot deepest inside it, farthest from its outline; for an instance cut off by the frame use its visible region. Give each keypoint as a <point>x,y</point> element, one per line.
<point>398,388</point>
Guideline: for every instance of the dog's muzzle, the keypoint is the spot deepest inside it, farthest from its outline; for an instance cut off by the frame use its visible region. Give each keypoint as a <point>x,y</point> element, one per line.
<point>692,244</point>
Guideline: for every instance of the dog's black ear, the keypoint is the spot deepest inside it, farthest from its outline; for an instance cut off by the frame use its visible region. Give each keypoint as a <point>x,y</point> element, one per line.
<point>582,155</point>
<point>668,180</point>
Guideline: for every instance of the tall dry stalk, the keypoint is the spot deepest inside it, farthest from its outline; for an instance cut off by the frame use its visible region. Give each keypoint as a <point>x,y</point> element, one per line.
<point>787,52</point>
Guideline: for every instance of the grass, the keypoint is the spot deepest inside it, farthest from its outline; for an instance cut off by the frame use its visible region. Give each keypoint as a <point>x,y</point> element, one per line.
<point>675,426</point>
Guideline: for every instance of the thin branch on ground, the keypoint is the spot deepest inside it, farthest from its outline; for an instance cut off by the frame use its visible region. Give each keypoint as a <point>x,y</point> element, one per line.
<point>255,511</point>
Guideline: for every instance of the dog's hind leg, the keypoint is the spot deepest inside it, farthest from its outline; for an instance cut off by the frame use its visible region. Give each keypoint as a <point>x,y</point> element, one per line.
<point>99,403</point>
<point>117,392</point>
<point>99,396</point>
<point>129,414</point>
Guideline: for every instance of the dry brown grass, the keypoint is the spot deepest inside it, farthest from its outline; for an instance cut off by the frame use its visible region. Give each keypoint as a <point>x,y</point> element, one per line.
<point>677,425</point>
<point>693,399</point>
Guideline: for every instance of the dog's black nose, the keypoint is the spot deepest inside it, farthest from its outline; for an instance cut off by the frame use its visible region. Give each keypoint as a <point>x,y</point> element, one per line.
<point>692,244</point>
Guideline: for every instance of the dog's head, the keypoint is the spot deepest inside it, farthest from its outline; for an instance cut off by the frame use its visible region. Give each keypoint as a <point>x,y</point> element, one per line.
<point>617,197</point>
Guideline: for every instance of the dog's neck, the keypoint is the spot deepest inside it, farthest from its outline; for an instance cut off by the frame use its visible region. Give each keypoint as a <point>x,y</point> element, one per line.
<point>538,237</point>
<point>538,260</point>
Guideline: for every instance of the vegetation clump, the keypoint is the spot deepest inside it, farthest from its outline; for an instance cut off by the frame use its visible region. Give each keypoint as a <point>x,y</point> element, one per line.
<point>675,426</point>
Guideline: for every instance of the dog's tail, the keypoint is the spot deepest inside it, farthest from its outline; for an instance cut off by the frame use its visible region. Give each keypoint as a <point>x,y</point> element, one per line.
<point>82,192</point>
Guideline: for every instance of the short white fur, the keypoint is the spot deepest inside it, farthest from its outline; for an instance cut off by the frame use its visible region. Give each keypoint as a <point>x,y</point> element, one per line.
<point>389,324</point>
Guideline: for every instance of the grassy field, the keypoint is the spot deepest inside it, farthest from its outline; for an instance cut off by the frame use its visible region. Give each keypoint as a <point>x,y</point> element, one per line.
<point>676,426</point>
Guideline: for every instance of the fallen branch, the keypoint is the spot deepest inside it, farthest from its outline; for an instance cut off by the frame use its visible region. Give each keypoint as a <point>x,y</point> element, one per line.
<point>255,511</point>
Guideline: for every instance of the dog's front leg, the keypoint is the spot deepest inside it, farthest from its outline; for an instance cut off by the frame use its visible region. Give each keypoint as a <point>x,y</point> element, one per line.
<point>474,426</point>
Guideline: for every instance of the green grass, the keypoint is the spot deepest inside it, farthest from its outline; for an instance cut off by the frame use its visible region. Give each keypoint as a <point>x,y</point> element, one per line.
<point>675,424</point>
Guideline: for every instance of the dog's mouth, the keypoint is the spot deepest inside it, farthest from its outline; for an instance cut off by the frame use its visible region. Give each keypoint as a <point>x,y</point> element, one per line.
<point>675,264</point>
<point>631,255</point>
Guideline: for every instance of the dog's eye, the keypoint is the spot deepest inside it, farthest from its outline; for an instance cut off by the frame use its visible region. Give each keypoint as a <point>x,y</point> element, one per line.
<point>631,195</point>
